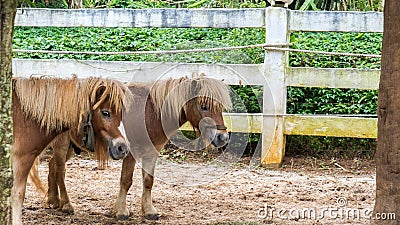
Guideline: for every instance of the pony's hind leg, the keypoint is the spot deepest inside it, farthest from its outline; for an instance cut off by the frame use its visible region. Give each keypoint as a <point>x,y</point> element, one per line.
<point>149,211</point>
<point>65,203</point>
<point>53,199</point>
<point>128,166</point>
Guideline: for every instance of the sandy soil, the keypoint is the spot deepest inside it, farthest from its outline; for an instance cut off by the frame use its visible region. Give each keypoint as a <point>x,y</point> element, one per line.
<point>303,191</point>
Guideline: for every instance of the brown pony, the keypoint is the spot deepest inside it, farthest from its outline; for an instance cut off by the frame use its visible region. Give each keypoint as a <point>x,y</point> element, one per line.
<point>160,109</point>
<point>89,109</point>
<point>156,113</point>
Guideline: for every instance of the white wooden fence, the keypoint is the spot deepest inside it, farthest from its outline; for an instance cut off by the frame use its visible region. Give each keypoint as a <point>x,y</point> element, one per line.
<point>274,74</point>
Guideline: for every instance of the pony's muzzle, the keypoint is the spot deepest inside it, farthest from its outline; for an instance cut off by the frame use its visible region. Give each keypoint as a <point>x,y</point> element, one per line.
<point>216,133</point>
<point>223,137</point>
<point>118,148</point>
<point>220,139</point>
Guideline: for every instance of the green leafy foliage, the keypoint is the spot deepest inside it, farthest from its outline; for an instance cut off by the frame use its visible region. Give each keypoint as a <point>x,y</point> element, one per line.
<point>331,101</point>
<point>55,4</point>
<point>341,5</point>
<point>141,39</point>
<point>246,99</point>
<point>360,43</point>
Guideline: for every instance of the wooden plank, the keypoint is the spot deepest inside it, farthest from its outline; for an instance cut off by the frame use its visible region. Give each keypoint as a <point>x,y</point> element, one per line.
<point>250,74</point>
<point>239,122</point>
<point>331,126</point>
<point>333,78</point>
<point>185,18</point>
<point>334,126</point>
<point>335,21</point>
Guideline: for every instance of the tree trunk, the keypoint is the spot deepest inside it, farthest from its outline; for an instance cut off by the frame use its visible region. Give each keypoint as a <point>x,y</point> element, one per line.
<point>7,16</point>
<point>388,150</point>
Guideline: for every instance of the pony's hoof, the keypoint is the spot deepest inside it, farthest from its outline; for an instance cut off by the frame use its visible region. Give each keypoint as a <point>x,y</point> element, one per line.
<point>151,216</point>
<point>52,203</point>
<point>68,209</point>
<point>122,217</point>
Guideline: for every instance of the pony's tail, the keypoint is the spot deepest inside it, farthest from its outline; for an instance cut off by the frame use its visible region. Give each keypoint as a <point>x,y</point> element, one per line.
<point>35,178</point>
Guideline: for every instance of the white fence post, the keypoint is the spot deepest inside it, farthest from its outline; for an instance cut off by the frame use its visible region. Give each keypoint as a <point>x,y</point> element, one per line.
<point>274,99</point>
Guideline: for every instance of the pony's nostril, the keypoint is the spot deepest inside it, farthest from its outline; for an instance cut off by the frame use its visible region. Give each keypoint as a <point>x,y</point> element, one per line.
<point>121,148</point>
<point>223,137</point>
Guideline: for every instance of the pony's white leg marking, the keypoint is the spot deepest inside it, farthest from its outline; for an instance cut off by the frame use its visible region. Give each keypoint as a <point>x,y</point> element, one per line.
<point>122,211</point>
<point>16,204</point>
<point>20,173</point>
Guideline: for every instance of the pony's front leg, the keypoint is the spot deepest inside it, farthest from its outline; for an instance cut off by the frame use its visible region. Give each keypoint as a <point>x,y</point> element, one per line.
<point>65,204</point>
<point>64,153</point>
<point>149,211</point>
<point>128,166</point>
<point>57,193</point>
<point>53,198</point>
<point>21,164</point>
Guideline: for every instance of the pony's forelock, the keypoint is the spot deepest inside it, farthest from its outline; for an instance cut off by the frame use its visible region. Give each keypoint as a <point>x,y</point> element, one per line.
<point>170,96</point>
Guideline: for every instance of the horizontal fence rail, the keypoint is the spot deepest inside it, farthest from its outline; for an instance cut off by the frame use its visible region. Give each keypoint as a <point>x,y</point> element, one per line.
<point>234,74</point>
<point>334,21</point>
<point>367,79</point>
<point>167,18</point>
<point>332,126</point>
<point>186,18</point>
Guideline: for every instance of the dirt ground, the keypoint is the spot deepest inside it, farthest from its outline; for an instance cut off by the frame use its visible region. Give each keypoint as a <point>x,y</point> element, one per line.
<point>303,191</point>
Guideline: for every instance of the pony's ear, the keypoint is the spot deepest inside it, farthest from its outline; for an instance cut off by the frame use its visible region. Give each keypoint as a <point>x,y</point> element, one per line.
<point>99,92</point>
<point>99,98</point>
<point>194,87</point>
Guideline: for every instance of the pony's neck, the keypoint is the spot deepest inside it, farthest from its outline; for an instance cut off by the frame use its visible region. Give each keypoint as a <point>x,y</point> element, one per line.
<point>171,124</point>
<point>182,118</point>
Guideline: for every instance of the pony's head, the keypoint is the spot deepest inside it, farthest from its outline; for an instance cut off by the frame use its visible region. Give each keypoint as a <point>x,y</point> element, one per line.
<point>109,98</point>
<point>93,106</point>
<point>204,109</point>
<point>199,100</point>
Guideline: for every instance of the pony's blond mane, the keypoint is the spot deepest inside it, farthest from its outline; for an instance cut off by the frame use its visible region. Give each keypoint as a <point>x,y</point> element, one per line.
<point>57,103</point>
<point>170,96</point>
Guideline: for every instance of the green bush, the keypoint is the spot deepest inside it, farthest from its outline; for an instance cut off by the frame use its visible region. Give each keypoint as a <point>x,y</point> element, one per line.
<point>360,43</point>
<point>141,39</point>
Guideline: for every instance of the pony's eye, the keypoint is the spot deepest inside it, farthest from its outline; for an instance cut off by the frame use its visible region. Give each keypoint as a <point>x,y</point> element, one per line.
<point>204,107</point>
<point>106,113</point>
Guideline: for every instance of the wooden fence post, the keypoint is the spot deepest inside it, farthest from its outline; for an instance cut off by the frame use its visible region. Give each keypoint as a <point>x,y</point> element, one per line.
<point>274,99</point>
